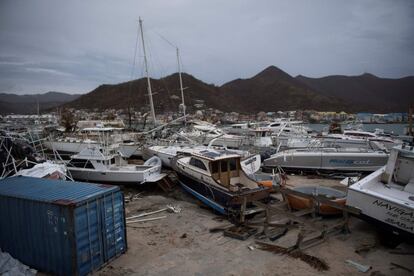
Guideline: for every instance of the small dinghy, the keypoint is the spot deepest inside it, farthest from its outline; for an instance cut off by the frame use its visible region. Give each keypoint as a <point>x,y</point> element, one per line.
<point>300,203</point>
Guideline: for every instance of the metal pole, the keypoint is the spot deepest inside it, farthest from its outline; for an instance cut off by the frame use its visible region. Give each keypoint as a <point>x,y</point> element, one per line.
<point>146,71</point>
<point>181,82</point>
<point>410,121</point>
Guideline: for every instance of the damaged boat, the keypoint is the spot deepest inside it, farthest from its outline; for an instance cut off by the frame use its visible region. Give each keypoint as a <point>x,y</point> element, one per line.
<point>216,178</point>
<point>105,164</point>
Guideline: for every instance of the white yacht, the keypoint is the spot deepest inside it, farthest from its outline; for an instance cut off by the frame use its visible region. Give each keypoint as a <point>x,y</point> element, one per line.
<point>97,164</point>
<point>95,136</point>
<point>282,127</point>
<point>204,133</point>
<point>356,137</point>
<point>329,159</point>
<point>387,195</point>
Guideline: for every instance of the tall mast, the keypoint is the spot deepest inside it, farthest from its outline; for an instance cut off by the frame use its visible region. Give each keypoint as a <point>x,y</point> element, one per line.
<point>38,107</point>
<point>181,81</point>
<point>146,71</point>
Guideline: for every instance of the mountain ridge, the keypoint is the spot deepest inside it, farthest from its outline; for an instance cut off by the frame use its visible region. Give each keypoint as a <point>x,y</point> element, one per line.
<point>272,89</point>
<point>27,103</point>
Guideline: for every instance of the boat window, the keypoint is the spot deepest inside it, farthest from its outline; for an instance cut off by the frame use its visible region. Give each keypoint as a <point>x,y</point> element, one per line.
<point>223,165</point>
<point>112,160</point>
<point>214,167</point>
<point>275,125</point>
<point>79,163</point>
<point>197,163</point>
<point>88,165</point>
<point>233,164</point>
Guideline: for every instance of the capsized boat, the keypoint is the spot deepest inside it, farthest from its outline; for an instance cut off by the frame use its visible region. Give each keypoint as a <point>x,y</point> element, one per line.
<point>386,196</point>
<point>329,159</point>
<point>105,164</point>
<point>215,177</point>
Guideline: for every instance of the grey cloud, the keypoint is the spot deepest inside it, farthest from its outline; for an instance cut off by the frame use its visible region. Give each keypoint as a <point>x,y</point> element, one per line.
<point>78,45</point>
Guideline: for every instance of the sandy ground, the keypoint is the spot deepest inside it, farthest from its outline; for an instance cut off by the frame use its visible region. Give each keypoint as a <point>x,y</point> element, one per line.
<point>182,244</point>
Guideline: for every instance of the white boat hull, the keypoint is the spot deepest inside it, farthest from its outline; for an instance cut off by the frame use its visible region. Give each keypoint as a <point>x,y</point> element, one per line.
<point>63,146</point>
<point>383,210</point>
<point>141,175</point>
<point>339,161</point>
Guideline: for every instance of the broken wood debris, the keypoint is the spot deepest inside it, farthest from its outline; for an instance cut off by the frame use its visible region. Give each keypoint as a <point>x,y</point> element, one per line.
<point>313,261</point>
<point>365,247</point>
<point>397,252</point>
<point>241,232</point>
<point>401,267</point>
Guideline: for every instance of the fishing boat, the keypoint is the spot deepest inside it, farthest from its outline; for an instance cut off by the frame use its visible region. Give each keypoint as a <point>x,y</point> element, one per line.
<point>216,178</point>
<point>329,159</point>
<point>95,136</point>
<point>386,197</point>
<point>99,164</point>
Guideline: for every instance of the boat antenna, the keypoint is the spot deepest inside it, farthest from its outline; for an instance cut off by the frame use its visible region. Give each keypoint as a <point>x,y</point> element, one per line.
<point>146,71</point>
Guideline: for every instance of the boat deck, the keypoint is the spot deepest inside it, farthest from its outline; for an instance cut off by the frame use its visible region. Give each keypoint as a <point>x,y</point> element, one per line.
<point>392,191</point>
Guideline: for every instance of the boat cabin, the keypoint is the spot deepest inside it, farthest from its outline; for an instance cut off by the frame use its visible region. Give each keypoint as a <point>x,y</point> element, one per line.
<point>95,158</point>
<point>223,167</point>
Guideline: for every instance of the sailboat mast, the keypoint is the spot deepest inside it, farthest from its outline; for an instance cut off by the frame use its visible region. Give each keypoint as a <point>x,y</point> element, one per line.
<point>146,71</point>
<point>181,81</point>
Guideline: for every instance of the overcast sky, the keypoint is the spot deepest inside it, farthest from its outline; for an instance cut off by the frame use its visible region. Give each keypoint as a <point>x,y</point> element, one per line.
<point>74,46</point>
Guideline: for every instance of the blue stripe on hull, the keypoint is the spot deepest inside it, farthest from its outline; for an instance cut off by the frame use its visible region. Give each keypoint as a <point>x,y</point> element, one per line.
<point>204,199</point>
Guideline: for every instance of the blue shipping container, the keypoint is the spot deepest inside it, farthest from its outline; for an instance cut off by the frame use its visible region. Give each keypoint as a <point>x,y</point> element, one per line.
<point>61,227</point>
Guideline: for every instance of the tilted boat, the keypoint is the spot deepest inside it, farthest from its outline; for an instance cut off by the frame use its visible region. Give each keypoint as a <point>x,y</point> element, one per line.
<point>98,164</point>
<point>215,177</point>
<point>386,196</point>
<point>167,153</point>
<point>329,159</point>
<point>204,133</point>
